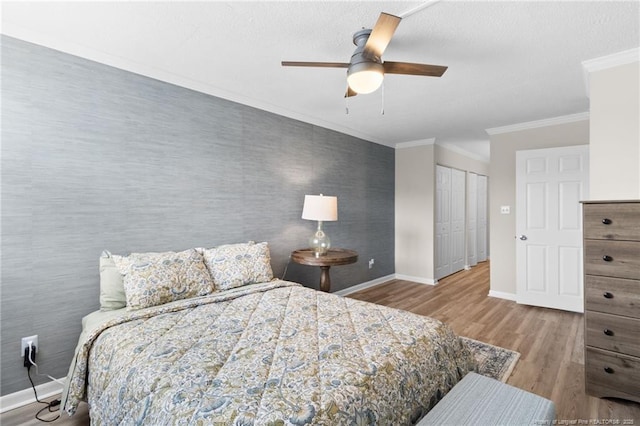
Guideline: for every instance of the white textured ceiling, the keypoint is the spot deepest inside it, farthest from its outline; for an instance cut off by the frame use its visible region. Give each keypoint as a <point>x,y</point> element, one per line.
<point>509,61</point>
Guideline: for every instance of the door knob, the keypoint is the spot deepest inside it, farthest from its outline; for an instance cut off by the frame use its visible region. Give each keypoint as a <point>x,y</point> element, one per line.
<point>523,237</point>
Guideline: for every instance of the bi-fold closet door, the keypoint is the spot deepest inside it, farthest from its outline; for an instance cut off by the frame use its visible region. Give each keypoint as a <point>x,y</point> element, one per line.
<point>476,219</point>
<point>450,254</point>
<point>461,220</point>
<point>472,219</point>
<point>481,237</point>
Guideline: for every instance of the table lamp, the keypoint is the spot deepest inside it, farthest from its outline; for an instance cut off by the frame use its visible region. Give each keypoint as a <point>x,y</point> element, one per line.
<point>321,208</point>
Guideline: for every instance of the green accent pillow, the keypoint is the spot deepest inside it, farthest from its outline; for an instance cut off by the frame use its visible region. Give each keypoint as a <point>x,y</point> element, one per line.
<point>112,295</point>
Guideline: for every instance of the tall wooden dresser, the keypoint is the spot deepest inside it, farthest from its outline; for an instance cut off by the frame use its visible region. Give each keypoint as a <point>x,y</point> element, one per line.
<point>612,298</point>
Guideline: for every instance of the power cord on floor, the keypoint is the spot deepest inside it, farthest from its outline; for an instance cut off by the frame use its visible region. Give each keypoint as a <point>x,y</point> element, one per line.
<point>53,406</point>
<point>33,363</point>
<point>286,267</point>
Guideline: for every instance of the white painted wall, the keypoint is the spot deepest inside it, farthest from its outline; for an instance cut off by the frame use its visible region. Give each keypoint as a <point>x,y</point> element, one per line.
<point>615,133</point>
<point>414,210</point>
<point>415,205</point>
<point>449,158</point>
<point>612,131</point>
<point>502,190</point>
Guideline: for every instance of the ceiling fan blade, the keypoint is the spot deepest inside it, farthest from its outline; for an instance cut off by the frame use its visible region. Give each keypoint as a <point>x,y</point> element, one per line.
<point>413,69</point>
<point>349,93</point>
<point>315,64</point>
<point>381,35</point>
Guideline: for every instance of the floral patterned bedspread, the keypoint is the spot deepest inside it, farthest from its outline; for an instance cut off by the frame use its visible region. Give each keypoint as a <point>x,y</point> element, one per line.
<point>274,353</point>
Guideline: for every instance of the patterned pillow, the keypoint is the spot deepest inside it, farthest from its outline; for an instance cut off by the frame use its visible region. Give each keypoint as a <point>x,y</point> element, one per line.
<point>235,265</point>
<point>152,279</point>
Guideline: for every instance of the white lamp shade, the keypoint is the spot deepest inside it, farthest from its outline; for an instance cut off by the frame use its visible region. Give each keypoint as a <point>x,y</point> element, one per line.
<point>320,207</point>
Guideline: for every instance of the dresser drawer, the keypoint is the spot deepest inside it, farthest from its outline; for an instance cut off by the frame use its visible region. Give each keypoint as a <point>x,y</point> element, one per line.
<point>617,296</point>
<point>619,221</point>
<point>611,374</point>
<point>614,333</point>
<point>622,258</point>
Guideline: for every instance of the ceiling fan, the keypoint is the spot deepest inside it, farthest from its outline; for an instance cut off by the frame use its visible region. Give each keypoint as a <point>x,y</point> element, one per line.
<point>366,69</point>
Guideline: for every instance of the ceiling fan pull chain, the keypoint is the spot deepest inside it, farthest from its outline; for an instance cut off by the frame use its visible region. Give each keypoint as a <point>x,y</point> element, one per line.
<point>346,104</point>
<point>382,100</point>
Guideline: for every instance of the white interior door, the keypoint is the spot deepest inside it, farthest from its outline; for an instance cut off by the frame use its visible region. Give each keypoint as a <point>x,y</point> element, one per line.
<point>443,222</point>
<point>472,219</point>
<point>549,185</point>
<point>458,196</point>
<point>481,234</point>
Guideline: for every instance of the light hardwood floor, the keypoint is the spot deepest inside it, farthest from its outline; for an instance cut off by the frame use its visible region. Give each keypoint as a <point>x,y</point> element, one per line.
<point>549,341</point>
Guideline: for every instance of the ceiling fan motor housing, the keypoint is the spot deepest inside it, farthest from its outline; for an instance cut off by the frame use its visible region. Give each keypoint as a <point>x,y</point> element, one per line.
<point>364,65</point>
<point>360,39</point>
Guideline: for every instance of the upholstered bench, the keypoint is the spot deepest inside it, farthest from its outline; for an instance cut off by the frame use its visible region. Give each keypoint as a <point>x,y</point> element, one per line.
<point>479,400</point>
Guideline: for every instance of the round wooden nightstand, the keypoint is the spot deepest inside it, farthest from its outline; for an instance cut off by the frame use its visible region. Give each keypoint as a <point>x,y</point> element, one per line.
<point>335,257</point>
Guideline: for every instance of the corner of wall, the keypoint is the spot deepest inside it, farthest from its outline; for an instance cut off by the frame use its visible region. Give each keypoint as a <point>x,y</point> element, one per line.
<point>615,132</point>
<point>414,223</point>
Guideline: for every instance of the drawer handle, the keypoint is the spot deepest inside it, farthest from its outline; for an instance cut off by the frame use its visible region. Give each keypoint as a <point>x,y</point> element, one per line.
<point>609,370</point>
<point>607,258</point>
<point>607,221</point>
<point>608,332</point>
<point>608,295</point>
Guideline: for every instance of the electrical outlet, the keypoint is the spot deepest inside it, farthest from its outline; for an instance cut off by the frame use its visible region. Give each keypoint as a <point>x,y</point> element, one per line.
<point>371,262</point>
<point>25,343</point>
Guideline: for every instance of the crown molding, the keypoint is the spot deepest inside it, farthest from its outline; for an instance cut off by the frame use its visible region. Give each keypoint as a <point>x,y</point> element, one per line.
<point>448,146</point>
<point>462,151</point>
<point>605,62</point>
<point>614,60</point>
<point>413,144</point>
<point>571,118</point>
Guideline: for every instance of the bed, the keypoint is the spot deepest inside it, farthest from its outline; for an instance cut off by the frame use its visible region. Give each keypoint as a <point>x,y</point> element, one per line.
<point>265,353</point>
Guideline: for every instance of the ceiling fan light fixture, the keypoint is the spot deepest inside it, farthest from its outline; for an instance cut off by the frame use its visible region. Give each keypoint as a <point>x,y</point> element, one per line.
<point>365,77</point>
<point>366,70</point>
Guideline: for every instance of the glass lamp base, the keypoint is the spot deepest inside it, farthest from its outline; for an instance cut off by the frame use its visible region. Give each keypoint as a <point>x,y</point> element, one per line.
<point>320,242</point>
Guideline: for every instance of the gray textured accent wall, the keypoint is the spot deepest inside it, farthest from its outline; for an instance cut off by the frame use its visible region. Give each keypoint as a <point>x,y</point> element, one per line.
<point>95,158</point>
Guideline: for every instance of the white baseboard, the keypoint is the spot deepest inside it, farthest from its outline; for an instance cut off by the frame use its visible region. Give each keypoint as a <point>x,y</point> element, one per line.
<point>367,284</point>
<point>418,280</point>
<point>26,396</point>
<point>502,295</point>
<point>383,280</point>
